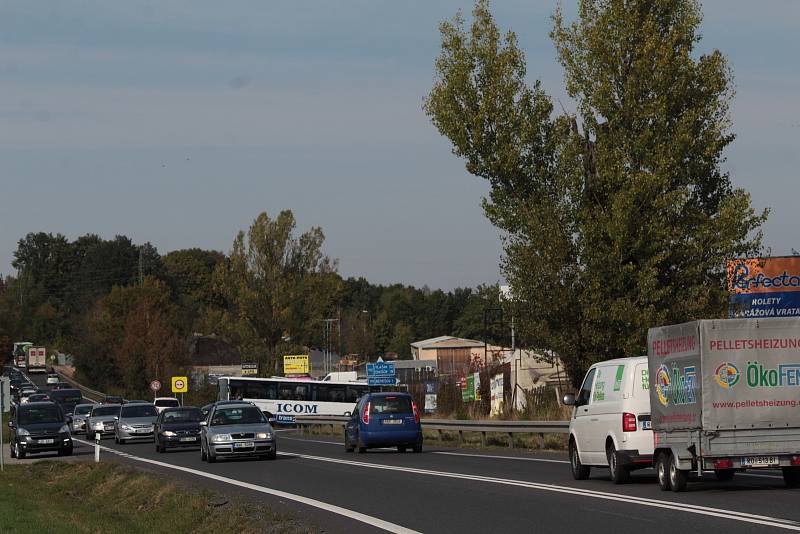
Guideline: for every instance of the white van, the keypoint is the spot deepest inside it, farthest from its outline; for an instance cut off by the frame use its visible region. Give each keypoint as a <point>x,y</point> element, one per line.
<point>610,425</point>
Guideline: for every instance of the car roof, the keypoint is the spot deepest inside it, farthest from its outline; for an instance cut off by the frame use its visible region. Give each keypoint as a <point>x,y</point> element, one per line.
<point>138,403</point>
<point>106,405</point>
<point>229,404</point>
<point>179,408</point>
<point>389,394</point>
<point>35,404</point>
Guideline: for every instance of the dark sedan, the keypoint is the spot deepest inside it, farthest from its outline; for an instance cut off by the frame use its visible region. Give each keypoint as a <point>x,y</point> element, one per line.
<point>178,427</point>
<point>40,427</point>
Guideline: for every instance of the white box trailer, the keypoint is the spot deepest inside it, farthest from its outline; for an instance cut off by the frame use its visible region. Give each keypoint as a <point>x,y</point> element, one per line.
<point>37,360</point>
<point>725,397</point>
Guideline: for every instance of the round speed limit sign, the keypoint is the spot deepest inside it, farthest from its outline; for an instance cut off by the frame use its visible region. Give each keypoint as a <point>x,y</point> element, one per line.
<point>155,385</point>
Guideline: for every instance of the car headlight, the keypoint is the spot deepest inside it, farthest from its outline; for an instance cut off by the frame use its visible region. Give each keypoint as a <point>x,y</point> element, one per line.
<point>126,428</point>
<point>169,433</point>
<point>264,435</point>
<point>23,432</point>
<point>217,438</point>
<point>98,425</point>
<point>64,429</point>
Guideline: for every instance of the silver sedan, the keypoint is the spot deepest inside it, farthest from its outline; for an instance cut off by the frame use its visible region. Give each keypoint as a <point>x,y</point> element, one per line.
<point>233,430</point>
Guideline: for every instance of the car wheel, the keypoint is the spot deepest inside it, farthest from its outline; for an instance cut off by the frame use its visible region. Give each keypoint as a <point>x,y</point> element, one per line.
<point>116,439</point>
<point>203,455</point>
<point>662,471</point>
<point>272,455</point>
<point>677,478</point>
<point>20,454</point>
<point>360,447</point>
<point>579,471</point>
<point>417,448</point>
<point>65,452</point>
<point>619,475</point>
<point>12,450</point>
<point>791,476</point>
<point>401,448</point>
<point>211,458</point>
<point>724,475</point>
<point>347,446</point>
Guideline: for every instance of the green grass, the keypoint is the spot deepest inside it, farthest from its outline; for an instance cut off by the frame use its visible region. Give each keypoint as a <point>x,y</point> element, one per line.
<point>472,440</point>
<point>83,497</point>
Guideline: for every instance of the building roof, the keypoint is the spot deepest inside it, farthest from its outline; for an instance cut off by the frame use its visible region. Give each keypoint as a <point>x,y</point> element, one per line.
<point>415,364</point>
<point>449,342</point>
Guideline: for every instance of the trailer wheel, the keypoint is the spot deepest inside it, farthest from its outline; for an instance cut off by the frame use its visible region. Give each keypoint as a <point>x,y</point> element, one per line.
<point>662,470</point>
<point>791,476</point>
<point>677,477</point>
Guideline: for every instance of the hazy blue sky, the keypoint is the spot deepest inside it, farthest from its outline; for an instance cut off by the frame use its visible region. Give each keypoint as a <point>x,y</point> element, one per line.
<point>177,122</point>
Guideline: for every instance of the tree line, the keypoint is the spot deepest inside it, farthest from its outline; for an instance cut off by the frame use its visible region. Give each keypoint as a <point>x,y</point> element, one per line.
<point>126,312</point>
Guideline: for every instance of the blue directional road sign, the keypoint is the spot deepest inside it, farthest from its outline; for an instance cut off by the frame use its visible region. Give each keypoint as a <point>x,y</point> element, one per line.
<point>381,373</point>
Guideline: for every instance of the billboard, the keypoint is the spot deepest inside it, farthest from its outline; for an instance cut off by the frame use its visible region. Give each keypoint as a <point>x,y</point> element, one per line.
<point>295,364</point>
<point>764,287</point>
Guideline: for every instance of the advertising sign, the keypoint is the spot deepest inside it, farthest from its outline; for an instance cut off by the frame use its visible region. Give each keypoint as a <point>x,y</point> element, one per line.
<point>496,388</point>
<point>430,396</point>
<point>764,287</point>
<point>295,364</point>
<point>250,368</point>
<point>468,389</point>
<point>751,373</point>
<point>673,359</point>
<point>476,383</point>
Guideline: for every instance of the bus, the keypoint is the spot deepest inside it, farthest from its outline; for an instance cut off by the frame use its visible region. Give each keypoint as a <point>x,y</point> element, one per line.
<point>281,399</point>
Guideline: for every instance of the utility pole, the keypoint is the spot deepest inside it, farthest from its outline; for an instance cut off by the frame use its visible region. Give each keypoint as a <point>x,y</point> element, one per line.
<point>328,345</point>
<point>141,267</point>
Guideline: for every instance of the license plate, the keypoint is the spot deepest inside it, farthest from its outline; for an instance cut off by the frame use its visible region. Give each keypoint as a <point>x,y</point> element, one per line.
<point>190,439</point>
<point>243,445</point>
<point>392,421</point>
<point>760,461</point>
<point>646,425</point>
<point>46,441</point>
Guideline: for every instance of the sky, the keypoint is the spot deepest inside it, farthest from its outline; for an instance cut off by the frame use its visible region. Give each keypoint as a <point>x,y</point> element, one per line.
<point>178,122</point>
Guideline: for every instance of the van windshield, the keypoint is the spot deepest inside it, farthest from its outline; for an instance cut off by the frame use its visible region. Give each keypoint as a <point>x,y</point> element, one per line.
<point>32,415</point>
<point>389,405</point>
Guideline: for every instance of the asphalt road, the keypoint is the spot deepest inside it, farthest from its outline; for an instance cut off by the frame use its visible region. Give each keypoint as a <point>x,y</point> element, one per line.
<point>461,491</point>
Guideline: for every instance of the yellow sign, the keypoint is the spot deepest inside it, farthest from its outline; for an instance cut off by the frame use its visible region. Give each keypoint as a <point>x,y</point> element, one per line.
<point>295,364</point>
<point>180,384</point>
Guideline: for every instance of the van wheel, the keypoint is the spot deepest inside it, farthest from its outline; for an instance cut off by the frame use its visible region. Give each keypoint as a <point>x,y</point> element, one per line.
<point>579,471</point>
<point>724,475</point>
<point>677,478</point>
<point>619,475</point>
<point>662,471</point>
<point>791,476</point>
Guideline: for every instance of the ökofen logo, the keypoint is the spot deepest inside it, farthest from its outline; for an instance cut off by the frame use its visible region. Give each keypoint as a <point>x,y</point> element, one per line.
<point>727,375</point>
<point>662,384</point>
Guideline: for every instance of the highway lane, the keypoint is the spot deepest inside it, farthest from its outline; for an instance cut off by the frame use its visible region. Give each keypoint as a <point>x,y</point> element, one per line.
<point>458,490</point>
<point>433,492</point>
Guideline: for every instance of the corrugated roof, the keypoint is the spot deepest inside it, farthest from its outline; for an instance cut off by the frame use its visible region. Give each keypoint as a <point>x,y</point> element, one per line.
<point>446,341</point>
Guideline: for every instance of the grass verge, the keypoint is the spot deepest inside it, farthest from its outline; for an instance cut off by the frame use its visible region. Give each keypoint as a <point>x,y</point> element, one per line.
<point>69,497</point>
<point>472,440</point>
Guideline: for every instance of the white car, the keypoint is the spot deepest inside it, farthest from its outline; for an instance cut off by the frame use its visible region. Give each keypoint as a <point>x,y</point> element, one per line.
<point>610,425</point>
<point>165,402</point>
<point>52,379</point>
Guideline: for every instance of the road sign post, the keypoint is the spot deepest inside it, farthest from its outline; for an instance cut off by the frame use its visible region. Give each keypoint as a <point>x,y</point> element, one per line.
<point>97,437</point>
<point>180,384</point>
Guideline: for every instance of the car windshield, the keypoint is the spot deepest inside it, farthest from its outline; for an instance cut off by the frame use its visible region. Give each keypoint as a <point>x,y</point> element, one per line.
<point>389,405</point>
<point>105,410</point>
<point>238,416</point>
<point>167,403</point>
<point>185,415</point>
<point>83,410</point>
<point>38,397</point>
<point>67,395</point>
<point>31,415</point>
<point>142,410</point>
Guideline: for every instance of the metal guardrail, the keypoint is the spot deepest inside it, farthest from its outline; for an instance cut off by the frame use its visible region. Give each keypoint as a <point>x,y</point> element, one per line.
<point>456,425</point>
<point>90,394</point>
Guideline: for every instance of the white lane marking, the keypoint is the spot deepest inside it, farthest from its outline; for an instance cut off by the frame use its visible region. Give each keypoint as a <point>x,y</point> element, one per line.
<point>545,460</point>
<point>352,514</point>
<point>668,505</point>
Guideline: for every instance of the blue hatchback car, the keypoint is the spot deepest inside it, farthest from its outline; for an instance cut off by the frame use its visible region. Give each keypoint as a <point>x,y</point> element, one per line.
<point>384,420</point>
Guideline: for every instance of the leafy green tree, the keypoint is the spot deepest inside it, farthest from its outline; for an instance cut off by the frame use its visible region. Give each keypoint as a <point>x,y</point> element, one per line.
<point>279,286</point>
<point>619,217</point>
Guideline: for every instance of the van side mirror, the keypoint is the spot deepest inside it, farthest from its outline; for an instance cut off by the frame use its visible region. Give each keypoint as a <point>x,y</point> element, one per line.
<point>569,399</point>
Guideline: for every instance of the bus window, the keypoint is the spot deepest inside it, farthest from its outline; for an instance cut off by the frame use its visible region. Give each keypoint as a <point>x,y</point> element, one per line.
<point>259,390</point>
<point>294,391</point>
<point>236,389</point>
<point>329,392</point>
<point>354,392</point>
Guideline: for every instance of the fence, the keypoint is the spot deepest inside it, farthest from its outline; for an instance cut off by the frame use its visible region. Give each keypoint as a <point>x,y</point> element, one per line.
<point>482,426</point>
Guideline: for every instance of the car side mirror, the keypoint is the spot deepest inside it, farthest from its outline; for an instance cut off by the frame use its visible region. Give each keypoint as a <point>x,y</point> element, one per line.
<point>11,424</point>
<point>203,423</point>
<point>569,399</point>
